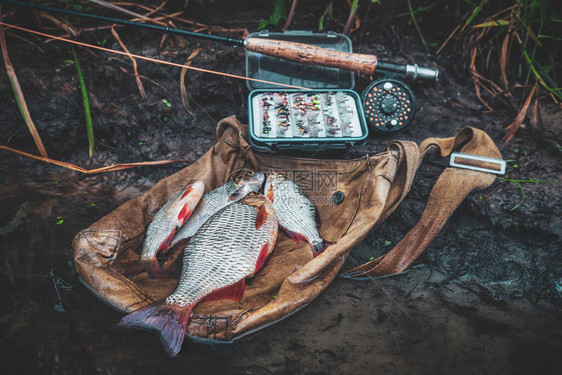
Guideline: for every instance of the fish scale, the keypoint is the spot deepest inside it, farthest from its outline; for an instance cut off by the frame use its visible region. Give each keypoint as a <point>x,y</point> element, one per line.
<point>210,268</point>
<point>214,198</point>
<point>231,246</point>
<point>295,212</point>
<point>163,227</point>
<point>217,199</point>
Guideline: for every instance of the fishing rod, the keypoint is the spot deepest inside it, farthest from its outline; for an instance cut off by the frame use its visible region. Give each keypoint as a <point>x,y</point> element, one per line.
<point>299,52</point>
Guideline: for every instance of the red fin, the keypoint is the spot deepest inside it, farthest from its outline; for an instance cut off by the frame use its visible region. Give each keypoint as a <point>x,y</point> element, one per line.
<point>269,194</point>
<point>185,213</point>
<point>165,245</point>
<point>169,319</point>
<point>262,258</point>
<point>136,267</point>
<point>186,192</point>
<point>320,247</point>
<point>239,193</point>
<point>262,216</point>
<point>297,237</point>
<point>233,292</point>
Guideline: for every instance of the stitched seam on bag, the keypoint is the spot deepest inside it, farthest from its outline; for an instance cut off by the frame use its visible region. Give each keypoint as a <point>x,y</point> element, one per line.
<point>132,286</point>
<point>245,312</point>
<point>359,161</point>
<point>211,322</point>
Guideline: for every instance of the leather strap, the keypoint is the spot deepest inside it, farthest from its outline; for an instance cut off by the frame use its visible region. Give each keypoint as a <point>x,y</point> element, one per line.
<point>452,186</point>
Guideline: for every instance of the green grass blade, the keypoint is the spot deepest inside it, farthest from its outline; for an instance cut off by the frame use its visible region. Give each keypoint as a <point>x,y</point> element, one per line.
<point>540,78</point>
<point>86,102</point>
<point>475,12</point>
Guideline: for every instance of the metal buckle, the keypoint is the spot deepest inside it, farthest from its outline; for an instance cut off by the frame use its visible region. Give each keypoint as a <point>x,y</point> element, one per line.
<point>499,162</point>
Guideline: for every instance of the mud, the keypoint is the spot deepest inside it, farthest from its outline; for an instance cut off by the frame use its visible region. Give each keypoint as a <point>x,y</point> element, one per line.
<point>485,297</point>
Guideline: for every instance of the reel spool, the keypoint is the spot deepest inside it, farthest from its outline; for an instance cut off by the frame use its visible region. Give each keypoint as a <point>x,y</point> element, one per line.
<point>389,105</point>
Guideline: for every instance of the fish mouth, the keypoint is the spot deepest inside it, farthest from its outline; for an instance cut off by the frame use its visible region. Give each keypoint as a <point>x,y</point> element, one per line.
<point>275,178</point>
<point>254,179</point>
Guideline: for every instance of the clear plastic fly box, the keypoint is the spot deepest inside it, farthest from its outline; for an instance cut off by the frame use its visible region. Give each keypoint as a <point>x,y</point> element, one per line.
<point>324,113</point>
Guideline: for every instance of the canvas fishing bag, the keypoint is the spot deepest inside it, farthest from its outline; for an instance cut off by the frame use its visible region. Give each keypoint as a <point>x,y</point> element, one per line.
<point>372,188</point>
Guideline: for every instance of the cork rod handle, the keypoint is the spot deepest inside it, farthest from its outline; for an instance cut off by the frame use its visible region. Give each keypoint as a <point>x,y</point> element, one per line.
<point>307,54</point>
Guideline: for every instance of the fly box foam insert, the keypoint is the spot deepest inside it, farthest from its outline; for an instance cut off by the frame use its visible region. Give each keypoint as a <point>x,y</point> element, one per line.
<point>306,120</point>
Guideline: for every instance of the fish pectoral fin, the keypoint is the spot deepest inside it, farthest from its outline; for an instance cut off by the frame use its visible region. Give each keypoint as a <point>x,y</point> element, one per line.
<point>297,237</point>
<point>170,320</point>
<point>262,216</point>
<point>165,245</point>
<point>233,292</point>
<point>187,191</point>
<point>184,213</point>
<point>269,194</point>
<point>240,193</point>
<point>264,253</point>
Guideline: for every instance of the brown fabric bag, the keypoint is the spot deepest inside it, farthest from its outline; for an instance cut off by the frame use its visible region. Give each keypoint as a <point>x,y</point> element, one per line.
<point>291,278</point>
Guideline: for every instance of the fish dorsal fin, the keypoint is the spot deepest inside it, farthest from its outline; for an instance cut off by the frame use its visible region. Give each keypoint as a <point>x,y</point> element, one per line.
<point>239,193</point>
<point>165,245</point>
<point>233,292</point>
<point>269,194</point>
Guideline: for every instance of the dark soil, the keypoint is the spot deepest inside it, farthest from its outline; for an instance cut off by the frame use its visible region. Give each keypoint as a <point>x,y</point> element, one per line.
<point>485,297</point>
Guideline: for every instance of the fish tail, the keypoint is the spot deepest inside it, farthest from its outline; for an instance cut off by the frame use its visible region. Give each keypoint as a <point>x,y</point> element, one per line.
<point>136,267</point>
<point>319,247</point>
<point>170,320</point>
<point>167,243</point>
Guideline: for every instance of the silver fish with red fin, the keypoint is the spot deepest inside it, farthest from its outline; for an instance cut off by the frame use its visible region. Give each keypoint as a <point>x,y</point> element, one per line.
<point>216,199</point>
<point>295,212</point>
<point>164,226</point>
<point>231,246</point>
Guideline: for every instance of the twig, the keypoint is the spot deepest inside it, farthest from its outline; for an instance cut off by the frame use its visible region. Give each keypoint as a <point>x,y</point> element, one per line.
<point>447,40</point>
<point>110,168</point>
<point>514,126</point>
<point>135,69</point>
<point>25,40</point>
<point>20,99</point>
<point>148,9</point>
<point>290,15</point>
<point>184,98</point>
<point>145,78</point>
<point>60,24</point>
<point>116,8</point>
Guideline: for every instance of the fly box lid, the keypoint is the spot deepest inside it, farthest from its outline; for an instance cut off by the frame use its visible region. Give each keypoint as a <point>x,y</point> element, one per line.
<point>325,114</point>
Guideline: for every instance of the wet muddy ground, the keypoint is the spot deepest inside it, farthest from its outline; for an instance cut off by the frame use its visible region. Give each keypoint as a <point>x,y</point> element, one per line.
<point>485,297</point>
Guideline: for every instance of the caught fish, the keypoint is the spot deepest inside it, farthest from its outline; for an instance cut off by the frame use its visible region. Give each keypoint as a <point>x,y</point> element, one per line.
<point>164,226</point>
<point>295,212</point>
<point>231,246</point>
<point>216,199</point>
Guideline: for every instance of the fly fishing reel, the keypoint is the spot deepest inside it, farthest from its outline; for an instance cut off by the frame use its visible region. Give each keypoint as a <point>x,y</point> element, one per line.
<point>389,105</point>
